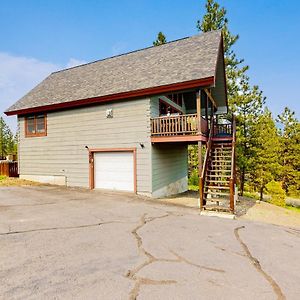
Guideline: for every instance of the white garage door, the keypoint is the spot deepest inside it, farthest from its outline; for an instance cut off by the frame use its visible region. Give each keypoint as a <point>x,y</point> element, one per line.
<point>114,171</point>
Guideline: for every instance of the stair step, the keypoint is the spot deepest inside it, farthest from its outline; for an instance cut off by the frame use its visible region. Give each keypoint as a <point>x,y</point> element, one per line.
<point>220,159</point>
<point>219,167</point>
<point>217,199</point>
<point>221,152</point>
<point>213,200</point>
<point>218,194</point>
<point>218,181</point>
<point>221,156</point>
<point>216,170</point>
<point>216,175</point>
<point>217,208</point>
<point>215,187</point>
<point>220,171</point>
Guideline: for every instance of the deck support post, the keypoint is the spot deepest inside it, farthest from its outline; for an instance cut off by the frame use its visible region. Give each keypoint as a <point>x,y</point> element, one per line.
<point>206,107</point>
<point>200,173</point>
<point>198,98</point>
<point>231,202</point>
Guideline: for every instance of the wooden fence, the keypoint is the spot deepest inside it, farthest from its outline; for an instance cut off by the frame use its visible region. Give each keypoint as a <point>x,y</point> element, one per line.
<point>9,168</point>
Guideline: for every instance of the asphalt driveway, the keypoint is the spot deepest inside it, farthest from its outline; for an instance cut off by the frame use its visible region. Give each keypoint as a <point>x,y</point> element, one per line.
<point>59,243</point>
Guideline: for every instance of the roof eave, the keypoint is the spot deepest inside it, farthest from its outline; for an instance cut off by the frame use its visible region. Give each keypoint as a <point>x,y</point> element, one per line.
<point>224,70</point>
<point>203,82</point>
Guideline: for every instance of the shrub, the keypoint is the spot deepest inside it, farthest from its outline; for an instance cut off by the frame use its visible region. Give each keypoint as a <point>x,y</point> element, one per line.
<point>2,177</point>
<point>251,195</point>
<point>194,188</point>
<point>248,188</point>
<point>194,179</point>
<point>275,190</point>
<point>293,192</point>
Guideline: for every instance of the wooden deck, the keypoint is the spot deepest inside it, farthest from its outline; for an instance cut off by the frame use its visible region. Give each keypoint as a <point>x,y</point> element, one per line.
<point>178,128</point>
<point>185,128</point>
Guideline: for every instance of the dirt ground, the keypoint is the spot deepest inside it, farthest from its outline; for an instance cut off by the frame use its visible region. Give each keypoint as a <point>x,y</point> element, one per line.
<point>63,243</point>
<point>268,213</point>
<point>14,181</point>
<point>247,209</point>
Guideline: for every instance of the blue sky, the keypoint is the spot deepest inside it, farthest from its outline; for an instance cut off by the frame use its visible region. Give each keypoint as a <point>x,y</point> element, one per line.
<point>38,37</point>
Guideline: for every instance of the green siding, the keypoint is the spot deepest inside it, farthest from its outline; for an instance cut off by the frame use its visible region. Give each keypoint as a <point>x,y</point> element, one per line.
<point>62,151</point>
<point>169,164</point>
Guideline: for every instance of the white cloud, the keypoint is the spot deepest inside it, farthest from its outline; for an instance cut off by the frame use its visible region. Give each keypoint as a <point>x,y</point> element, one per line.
<point>18,75</point>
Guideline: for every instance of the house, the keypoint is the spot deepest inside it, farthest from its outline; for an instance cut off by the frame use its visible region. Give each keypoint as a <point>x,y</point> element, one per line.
<point>125,122</point>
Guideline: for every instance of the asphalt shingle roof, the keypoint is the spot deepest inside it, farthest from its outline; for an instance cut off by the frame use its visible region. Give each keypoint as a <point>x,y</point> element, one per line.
<point>175,62</point>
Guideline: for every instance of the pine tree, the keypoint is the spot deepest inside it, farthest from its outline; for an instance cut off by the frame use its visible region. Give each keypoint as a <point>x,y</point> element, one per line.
<point>215,19</point>
<point>245,101</point>
<point>290,151</point>
<point>160,40</point>
<point>248,106</point>
<point>7,140</point>
<point>264,161</point>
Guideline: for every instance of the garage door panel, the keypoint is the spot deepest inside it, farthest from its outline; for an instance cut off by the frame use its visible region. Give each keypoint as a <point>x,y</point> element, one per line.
<point>114,170</point>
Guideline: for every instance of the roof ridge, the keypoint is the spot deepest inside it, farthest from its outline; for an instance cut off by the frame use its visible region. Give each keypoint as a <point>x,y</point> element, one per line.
<point>134,51</point>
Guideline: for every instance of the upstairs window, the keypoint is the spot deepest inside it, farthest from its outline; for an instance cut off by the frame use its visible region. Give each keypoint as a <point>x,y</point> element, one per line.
<point>167,109</point>
<point>36,125</point>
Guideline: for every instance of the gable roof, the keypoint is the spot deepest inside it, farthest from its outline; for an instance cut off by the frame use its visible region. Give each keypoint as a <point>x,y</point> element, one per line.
<point>185,63</point>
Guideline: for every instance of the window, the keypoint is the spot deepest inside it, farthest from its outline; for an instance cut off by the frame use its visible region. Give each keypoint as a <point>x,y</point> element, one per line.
<point>167,108</point>
<point>36,125</point>
<point>176,98</point>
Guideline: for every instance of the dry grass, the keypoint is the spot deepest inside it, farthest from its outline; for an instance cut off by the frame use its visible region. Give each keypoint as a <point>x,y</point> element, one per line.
<point>11,181</point>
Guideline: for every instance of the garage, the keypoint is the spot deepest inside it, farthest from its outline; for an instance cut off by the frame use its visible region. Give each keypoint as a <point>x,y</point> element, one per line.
<point>114,170</point>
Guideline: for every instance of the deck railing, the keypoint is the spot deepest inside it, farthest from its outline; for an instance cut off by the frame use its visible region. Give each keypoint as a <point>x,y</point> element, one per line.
<point>223,129</point>
<point>177,125</point>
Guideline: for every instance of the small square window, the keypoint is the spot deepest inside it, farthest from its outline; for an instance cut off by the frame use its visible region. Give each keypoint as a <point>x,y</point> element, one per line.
<point>36,125</point>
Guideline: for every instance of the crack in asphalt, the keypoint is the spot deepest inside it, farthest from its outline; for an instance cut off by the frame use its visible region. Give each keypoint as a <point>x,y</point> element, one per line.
<point>188,262</point>
<point>139,281</point>
<point>276,288</point>
<point>57,228</point>
<point>293,232</point>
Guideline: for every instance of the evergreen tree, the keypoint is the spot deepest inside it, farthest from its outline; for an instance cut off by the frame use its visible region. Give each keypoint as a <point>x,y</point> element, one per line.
<point>264,161</point>
<point>7,140</point>
<point>245,101</point>
<point>160,40</point>
<point>290,151</point>
<point>248,107</point>
<point>215,19</point>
